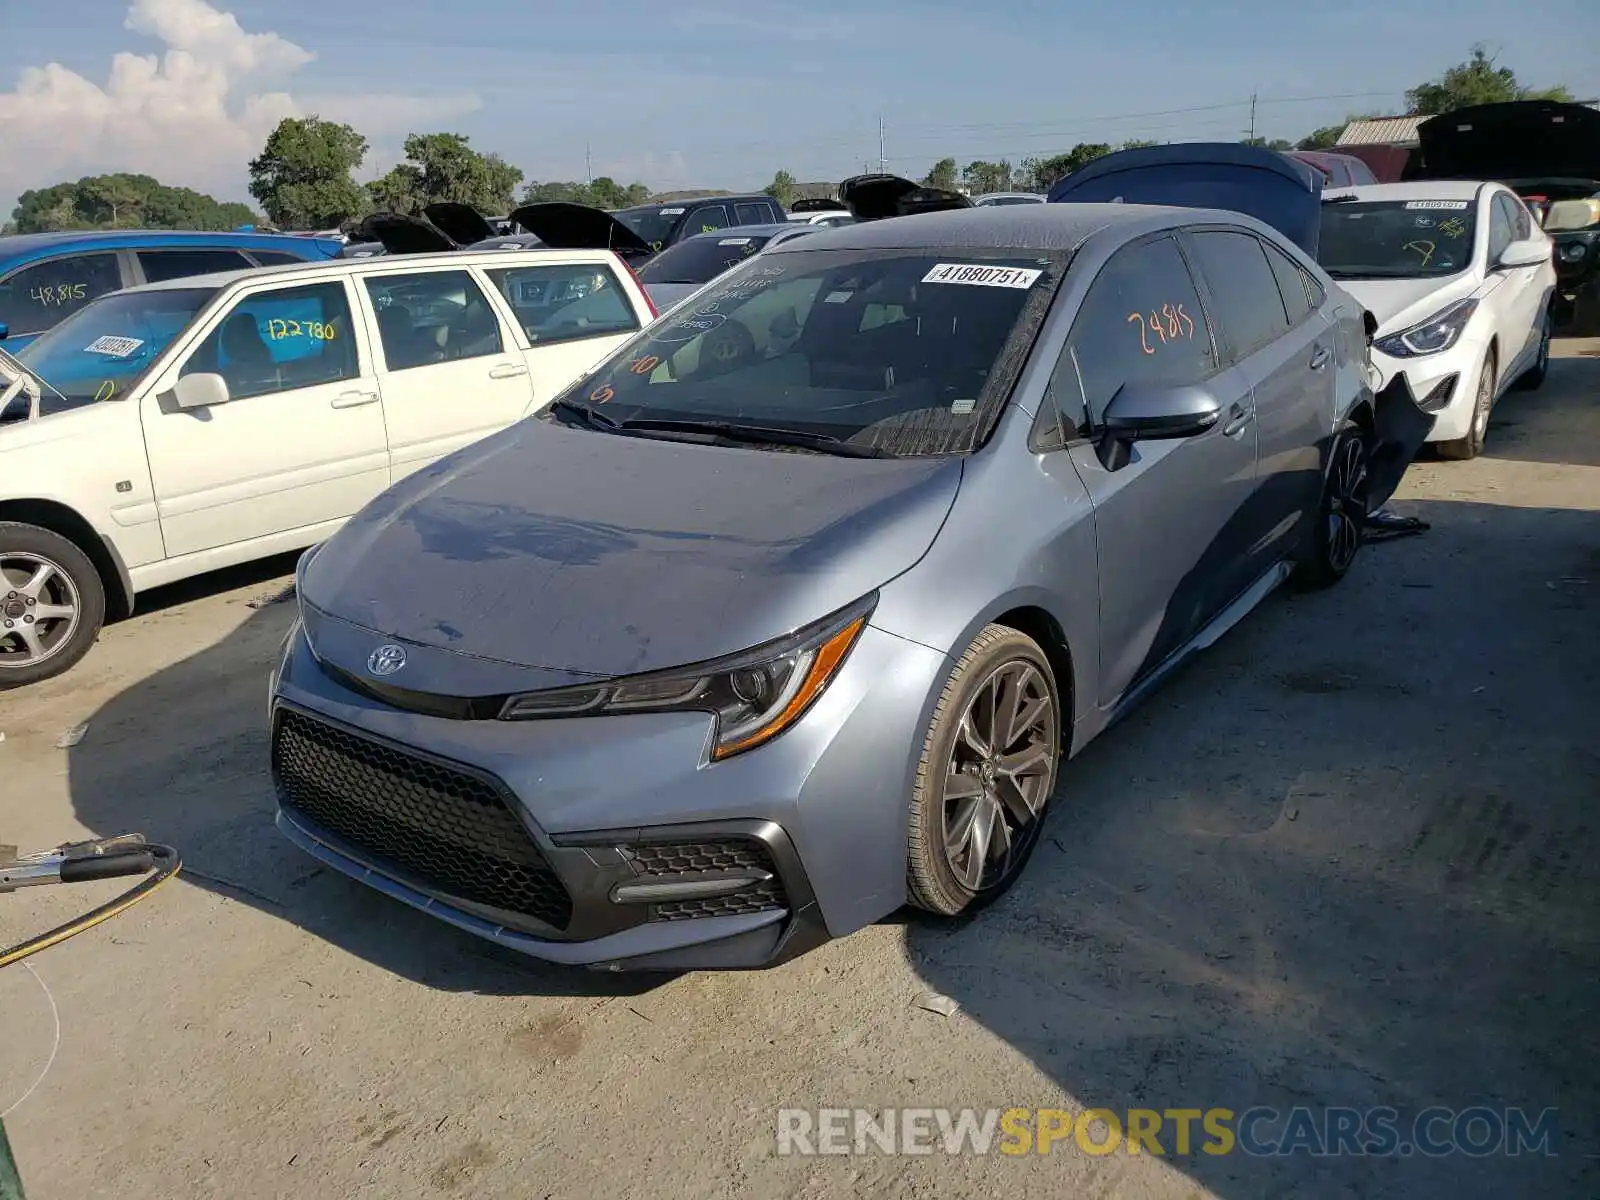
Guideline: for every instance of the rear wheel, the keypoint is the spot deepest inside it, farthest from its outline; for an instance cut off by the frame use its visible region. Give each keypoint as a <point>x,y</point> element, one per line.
<point>1471,445</point>
<point>1333,541</point>
<point>1534,375</point>
<point>988,769</point>
<point>52,604</point>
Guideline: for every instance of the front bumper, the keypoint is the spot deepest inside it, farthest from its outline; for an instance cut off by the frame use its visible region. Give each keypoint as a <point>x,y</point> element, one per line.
<point>1444,384</point>
<point>611,842</point>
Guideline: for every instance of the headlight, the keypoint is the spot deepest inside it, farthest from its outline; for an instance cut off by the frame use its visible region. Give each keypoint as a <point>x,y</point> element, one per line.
<point>1573,251</point>
<point>754,696</point>
<point>1438,332</point>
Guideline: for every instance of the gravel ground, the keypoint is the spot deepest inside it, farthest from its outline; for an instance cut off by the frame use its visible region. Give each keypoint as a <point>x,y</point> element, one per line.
<point>1350,857</point>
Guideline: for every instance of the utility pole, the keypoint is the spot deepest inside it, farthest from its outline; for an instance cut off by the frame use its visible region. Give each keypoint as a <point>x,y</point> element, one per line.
<point>1252,117</point>
<point>883,156</point>
<point>588,165</point>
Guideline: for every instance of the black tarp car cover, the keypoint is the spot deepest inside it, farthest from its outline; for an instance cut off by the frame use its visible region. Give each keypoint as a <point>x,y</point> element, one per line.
<point>1283,192</point>
<point>878,196</point>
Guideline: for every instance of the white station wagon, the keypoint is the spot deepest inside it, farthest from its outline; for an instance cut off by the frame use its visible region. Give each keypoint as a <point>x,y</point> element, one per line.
<point>201,422</point>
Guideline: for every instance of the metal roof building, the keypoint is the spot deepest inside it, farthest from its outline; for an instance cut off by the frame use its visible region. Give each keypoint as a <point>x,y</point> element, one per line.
<point>1381,131</point>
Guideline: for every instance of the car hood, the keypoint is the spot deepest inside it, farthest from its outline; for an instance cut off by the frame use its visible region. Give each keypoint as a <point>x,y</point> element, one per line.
<point>1519,139</point>
<point>875,197</point>
<point>1283,192</point>
<point>581,553</point>
<point>462,223</point>
<point>399,233</point>
<point>1401,303</point>
<point>563,226</point>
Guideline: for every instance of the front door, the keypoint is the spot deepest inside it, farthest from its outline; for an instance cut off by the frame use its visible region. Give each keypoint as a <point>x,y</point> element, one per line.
<point>299,445</point>
<point>1166,521</point>
<point>448,370</point>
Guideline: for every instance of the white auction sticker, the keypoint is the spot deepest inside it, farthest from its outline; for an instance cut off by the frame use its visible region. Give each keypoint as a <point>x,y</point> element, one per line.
<point>981,276</point>
<point>1452,205</point>
<point>672,212</point>
<point>734,242</point>
<point>116,347</point>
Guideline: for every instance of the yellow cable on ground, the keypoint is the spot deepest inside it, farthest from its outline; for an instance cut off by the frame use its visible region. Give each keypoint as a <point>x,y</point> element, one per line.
<point>54,937</point>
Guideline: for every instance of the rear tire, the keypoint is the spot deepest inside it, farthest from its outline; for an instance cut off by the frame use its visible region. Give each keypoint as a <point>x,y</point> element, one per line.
<point>1334,540</point>
<point>987,772</point>
<point>1533,377</point>
<point>52,604</point>
<point>1471,445</point>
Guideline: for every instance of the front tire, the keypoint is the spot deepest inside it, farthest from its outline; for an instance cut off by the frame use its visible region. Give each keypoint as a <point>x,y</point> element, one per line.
<point>1471,445</point>
<point>1334,540</point>
<point>987,772</point>
<point>52,604</point>
<point>1533,377</point>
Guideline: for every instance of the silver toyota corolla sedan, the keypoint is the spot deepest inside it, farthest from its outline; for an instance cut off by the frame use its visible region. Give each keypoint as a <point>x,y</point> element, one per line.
<point>791,610</point>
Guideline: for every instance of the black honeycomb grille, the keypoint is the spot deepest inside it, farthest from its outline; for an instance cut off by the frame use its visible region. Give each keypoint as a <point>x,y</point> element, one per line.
<point>450,830</point>
<point>688,860</point>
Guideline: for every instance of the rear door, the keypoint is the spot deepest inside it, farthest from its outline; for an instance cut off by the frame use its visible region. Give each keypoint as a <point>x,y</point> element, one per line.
<point>706,218</point>
<point>751,212</point>
<point>1266,327</point>
<point>565,315</point>
<point>448,368</point>
<point>1166,522</point>
<point>300,444</point>
<point>1522,307</point>
<point>35,297</point>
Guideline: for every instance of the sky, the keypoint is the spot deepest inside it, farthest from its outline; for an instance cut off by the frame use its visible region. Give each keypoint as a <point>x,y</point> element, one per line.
<point>721,93</point>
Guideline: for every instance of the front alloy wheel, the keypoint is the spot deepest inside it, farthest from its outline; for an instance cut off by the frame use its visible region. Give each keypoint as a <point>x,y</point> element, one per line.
<point>1334,539</point>
<point>988,769</point>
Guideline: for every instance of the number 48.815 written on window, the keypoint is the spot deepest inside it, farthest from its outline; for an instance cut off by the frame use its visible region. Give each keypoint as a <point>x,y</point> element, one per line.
<point>1169,323</point>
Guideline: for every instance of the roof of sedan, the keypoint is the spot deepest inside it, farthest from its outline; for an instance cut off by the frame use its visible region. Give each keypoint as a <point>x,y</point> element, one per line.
<point>998,227</point>
<point>1431,189</point>
<point>346,265</point>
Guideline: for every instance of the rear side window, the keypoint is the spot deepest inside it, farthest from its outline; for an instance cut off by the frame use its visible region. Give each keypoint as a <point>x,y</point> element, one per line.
<point>1291,285</point>
<point>179,264</point>
<point>753,214</point>
<point>1141,322</point>
<point>567,302</point>
<point>37,296</point>
<point>275,258</point>
<point>1244,291</point>
<point>280,340</point>
<point>699,259</point>
<point>706,220</point>
<point>432,317</point>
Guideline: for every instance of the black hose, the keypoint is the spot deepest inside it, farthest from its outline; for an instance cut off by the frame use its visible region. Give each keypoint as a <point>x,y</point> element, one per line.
<point>164,858</point>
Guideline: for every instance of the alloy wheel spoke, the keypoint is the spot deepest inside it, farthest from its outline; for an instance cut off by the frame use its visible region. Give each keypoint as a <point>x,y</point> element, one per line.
<point>54,612</point>
<point>969,734</point>
<point>958,833</point>
<point>28,635</point>
<point>42,574</point>
<point>1016,801</point>
<point>1030,761</point>
<point>961,785</point>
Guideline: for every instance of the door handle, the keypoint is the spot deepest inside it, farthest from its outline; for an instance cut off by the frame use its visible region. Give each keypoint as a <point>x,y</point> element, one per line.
<point>508,370</point>
<point>1319,358</point>
<point>353,399</point>
<point>1238,418</point>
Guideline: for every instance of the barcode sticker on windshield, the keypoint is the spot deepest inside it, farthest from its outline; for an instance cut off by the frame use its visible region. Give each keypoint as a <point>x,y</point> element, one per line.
<point>979,276</point>
<point>837,297</point>
<point>1452,205</point>
<point>734,242</point>
<point>672,212</point>
<point>116,347</point>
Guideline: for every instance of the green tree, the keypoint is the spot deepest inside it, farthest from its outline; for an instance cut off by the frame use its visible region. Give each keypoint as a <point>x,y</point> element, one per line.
<point>943,175</point>
<point>1136,144</point>
<point>1268,143</point>
<point>1321,139</point>
<point>444,166</point>
<point>1478,80</point>
<point>399,190</point>
<point>124,201</point>
<point>782,188</point>
<point>981,176</point>
<point>302,176</point>
<point>604,192</point>
<point>1041,173</point>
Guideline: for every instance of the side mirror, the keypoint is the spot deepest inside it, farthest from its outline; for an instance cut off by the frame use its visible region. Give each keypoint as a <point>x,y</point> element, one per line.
<point>1529,252</point>
<point>1140,412</point>
<point>201,390</point>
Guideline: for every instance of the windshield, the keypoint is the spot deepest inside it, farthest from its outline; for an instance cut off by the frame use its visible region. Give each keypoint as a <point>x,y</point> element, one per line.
<point>652,225</point>
<point>1396,239</point>
<point>701,259</point>
<point>900,352</point>
<point>100,351</point>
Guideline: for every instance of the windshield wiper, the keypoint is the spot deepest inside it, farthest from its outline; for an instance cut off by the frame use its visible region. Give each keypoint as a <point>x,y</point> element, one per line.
<point>759,435</point>
<point>585,414</point>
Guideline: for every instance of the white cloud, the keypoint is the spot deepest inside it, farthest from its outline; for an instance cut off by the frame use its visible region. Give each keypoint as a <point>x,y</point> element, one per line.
<point>193,116</point>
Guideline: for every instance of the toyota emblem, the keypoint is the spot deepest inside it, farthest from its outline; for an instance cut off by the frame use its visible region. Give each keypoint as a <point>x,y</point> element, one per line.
<point>386,660</point>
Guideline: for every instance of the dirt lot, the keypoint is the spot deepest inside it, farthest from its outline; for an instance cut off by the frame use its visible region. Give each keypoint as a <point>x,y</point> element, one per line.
<point>1352,857</point>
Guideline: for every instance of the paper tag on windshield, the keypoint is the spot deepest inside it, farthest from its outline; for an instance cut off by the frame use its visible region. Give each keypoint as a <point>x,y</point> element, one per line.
<point>980,276</point>
<point>116,347</point>
<point>672,212</point>
<point>837,297</point>
<point>1451,205</point>
<point>734,242</point>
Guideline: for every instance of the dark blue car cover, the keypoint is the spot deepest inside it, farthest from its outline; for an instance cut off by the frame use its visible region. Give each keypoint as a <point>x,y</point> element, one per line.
<point>1264,184</point>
